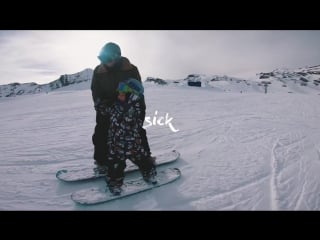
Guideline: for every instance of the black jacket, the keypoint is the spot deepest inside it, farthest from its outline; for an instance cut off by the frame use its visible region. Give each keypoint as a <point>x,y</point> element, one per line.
<point>105,82</point>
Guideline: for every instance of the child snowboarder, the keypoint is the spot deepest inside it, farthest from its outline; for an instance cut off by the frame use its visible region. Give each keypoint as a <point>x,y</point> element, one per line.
<point>124,140</point>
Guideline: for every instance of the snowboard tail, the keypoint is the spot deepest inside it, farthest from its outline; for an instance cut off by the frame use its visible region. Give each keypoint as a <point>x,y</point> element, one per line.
<point>97,195</point>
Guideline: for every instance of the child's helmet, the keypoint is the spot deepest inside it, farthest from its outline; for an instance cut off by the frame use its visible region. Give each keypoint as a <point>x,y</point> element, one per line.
<point>131,85</point>
<point>136,86</point>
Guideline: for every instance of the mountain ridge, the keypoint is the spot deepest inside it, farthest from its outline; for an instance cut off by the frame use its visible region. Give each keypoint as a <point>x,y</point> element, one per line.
<point>302,80</point>
<point>16,89</point>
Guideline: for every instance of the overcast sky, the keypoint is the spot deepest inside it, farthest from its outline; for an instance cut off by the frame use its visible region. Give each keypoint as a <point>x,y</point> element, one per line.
<point>42,56</point>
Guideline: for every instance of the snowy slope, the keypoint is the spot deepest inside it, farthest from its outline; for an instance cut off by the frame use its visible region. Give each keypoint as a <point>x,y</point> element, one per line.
<point>250,151</point>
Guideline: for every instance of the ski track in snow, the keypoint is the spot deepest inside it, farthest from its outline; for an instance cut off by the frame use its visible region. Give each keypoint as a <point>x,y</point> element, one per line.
<point>238,151</point>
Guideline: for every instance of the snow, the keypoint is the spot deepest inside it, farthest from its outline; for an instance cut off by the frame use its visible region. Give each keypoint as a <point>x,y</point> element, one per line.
<point>249,151</point>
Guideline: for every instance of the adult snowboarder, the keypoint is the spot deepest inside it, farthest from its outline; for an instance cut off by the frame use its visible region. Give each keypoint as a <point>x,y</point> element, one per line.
<point>113,69</point>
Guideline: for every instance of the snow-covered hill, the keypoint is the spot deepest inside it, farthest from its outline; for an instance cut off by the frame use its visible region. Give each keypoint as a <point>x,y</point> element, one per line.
<point>302,80</point>
<point>238,151</point>
<point>213,82</point>
<point>15,89</point>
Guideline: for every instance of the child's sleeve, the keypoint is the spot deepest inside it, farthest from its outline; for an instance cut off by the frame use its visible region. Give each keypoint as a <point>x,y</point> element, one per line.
<point>138,111</point>
<point>133,114</point>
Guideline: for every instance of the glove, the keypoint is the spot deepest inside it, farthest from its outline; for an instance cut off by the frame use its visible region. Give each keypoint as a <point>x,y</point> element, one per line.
<point>101,106</point>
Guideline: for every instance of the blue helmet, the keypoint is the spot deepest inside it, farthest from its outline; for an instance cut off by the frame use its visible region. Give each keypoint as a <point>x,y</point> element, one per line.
<point>110,52</point>
<point>136,86</point>
<point>131,85</point>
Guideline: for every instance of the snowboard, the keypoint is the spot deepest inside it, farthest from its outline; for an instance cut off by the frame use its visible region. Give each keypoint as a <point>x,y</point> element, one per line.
<point>86,173</point>
<point>97,195</point>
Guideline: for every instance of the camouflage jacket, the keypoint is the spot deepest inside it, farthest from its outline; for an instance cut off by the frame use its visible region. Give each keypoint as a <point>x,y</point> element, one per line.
<point>124,140</point>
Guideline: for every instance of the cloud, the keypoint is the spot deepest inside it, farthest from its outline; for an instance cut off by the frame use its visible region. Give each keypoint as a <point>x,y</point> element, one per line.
<point>42,56</point>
